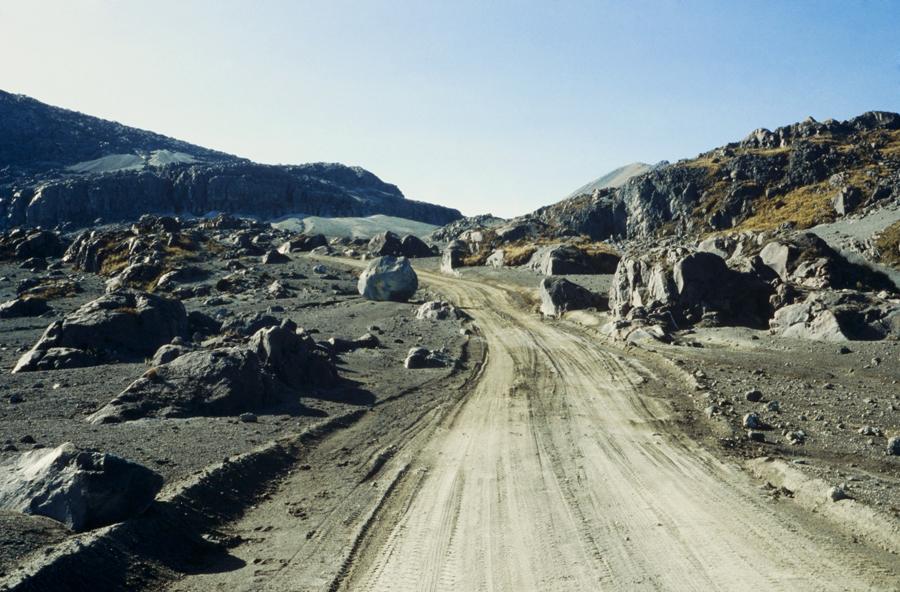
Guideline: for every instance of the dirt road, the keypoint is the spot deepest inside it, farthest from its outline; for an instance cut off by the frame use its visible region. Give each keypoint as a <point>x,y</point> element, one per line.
<point>560,468</point>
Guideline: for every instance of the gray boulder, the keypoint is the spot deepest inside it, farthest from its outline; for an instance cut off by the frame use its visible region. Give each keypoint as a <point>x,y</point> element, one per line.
<point>412,246</point>
<point>117,325</point>
<point>806,260</point>
<point>223,381</point>
<point>56,358</point>
<point>24,244</point>
<point>273,257</point>
<point>386,244</point>
<point>388,278</point>
<point>167,353</point>
<point>496,259</point>
<point>689,287</point>
<point>80,488</point>
<point>838,316</point>
<point>437,310</point>
<point>23,307</point>
<point>452,256</point>
<point>568,259</point>
<point>292,357</point>
<point>846,200</point>
<point>559,295</point>
<point>420,357</point>
<point>302,243</point>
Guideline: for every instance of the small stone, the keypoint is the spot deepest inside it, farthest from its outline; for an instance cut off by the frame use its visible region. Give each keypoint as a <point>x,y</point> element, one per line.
<point>796,437</point>
<point>774,406</point>
<point>837,493</point>
<point>756,436</point>
<point>843,350</point>
<point>752,421</point>
<point>893,446</point>
<point>15,398</point>
<point>248,417</point>
<point>753,396</point>
<point>27,439</point>
<point>9,447</point>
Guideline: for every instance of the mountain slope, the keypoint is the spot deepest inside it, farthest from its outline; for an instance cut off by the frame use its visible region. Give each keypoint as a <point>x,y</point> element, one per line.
<point>614,178</point>
<point>799,175</point>
<point>59,166</point>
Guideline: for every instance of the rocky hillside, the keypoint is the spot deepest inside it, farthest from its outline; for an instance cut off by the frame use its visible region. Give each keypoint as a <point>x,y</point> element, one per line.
<point>59,166</point>
<point>798,175</point>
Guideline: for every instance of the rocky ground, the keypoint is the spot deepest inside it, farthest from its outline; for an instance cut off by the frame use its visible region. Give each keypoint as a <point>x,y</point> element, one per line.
<point>44,409</point>
<point>316,411</point>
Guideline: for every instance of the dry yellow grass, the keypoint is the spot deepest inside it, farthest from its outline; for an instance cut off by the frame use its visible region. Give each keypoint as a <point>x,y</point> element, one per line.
<point>806,207</point>
<point>518,254</point>
<point>888,245</point>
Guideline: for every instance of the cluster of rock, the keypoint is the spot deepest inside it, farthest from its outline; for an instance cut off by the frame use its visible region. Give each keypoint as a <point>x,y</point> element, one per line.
<point>792,283</point>
<point>116,326</point>
<point>225,378</point>
<point>720,189</point>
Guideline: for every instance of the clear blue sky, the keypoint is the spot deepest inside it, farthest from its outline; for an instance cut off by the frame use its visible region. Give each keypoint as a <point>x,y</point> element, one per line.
<point>484,106</point>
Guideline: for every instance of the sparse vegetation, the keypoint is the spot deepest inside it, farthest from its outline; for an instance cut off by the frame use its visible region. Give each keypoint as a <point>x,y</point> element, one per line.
<point>888,244</point>
<point>804,207</point>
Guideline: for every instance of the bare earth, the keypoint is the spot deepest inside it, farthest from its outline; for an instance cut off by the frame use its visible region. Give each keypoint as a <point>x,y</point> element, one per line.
<point>561,464</point>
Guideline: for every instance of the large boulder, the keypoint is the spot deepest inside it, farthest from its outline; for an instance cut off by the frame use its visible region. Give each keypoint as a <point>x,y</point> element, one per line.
<point>690,287</point>
<point>222,381</point>
<point>496,259</point>
<point>388,278</point>
<point>293,357</point>
<point>838,316</point>
<point>452,256</point>
<point>24,244</point>
<point>559,295</point>
<point>412,246</point>
<point>80,488</point>
<point>273,257</point>
<point>119,325</point>
<point>846,200</point>
<point>56,358</point>
<point>23,307</point>
<point>225,380</point>
<point>303,243</point>
<point>569,259</point>
<point>386,244</point>
<point>806,260</point>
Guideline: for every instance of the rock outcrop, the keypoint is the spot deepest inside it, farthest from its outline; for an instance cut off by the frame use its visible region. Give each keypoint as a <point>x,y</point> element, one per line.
<point>818,169</point>
<point>569,259</point>
<point>116,326</point>
<point>83,489</point>
<point>452,257</point>
<point>559,295</point>
<point>838,316</point>
<point>689,287</point>
<point>23,307</point>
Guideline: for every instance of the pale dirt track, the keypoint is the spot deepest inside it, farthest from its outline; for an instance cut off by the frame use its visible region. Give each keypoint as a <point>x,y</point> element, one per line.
<point>560,469</point>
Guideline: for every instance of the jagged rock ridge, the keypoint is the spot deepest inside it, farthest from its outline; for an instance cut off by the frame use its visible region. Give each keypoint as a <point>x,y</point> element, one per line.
<point>59,166</point>
<point>792,176</point>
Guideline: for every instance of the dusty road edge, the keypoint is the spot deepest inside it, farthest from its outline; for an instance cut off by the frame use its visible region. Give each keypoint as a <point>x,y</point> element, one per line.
<point>860,521</point>
<point>170,530</point>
